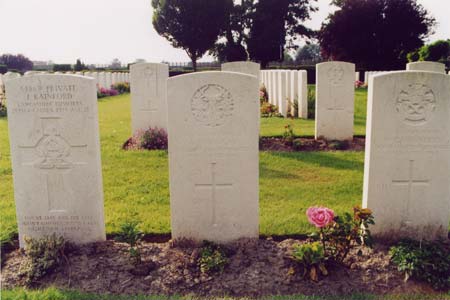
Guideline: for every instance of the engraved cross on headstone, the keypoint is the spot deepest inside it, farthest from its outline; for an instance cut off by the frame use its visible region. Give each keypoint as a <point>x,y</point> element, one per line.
<point>53,155</point>
<point>335,110</point>
<point>410,183</point>
<point>151,89</point>
<point>213,186</point>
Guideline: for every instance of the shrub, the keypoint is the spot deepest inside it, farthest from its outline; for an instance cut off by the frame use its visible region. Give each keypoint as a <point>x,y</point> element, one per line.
<point>104,92</point>
<point>130,234</point>
<point>263,96</point>
<point>426,261</point>
<point>212,258</point>
<point>339,234</point>
<point>311,257</point>
<point>269,110</point>
<point>288,135</point>
<point>42,256</point>
<point>153,138</point>
<point>121,87</point>
<point>359,84</point>
<point>311,103</point>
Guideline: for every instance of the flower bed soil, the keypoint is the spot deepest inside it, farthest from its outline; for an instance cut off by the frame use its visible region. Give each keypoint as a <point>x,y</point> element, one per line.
<point>255,268</point>
<point>306,144</point>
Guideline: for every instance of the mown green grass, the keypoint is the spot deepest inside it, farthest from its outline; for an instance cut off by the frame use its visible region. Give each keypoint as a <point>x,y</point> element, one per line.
<point>56,294</point>
<point>136,183</point>
<point>275,126</point>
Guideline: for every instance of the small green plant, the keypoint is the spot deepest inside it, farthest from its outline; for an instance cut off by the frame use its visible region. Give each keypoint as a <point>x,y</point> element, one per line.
<point>129,233</point>
<point>338,145</point>
<point>212,258</point>
<point>426,261</point>
<point>269,110</point>
<point>311,256</point>
<point>42,256</point>
<point>3,111</point>
<point>288,135</point>
<point>297,144</point>
<point>263,96</point>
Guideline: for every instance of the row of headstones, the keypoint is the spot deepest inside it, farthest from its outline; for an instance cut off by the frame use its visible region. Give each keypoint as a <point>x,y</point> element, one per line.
<point>102,79</point>
<point>213,129</point>
<point>334,94</point>
<point>284,88</point>
<point>414,66</point>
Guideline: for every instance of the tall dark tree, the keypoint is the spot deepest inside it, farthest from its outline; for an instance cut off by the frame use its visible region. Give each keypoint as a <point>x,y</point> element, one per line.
<point>231,45</point>
<point>375,34</point>
<point>79,66</point>
<point>275,25</point>
<point>16,62</point>
<point>192,25</point>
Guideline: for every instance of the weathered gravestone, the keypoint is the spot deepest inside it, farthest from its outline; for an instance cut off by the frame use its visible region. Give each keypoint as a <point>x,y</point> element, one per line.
<point>55,150</point>
<point>246,67</point>
<point>213,156</point>
<point>335,94</point>
<point>426,66</point>
<point>149,95</point>
<point>407,163</point>
<point>302,82</point>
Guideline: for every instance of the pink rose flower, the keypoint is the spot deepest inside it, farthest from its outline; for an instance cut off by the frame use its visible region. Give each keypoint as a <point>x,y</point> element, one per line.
<point>320,216</point>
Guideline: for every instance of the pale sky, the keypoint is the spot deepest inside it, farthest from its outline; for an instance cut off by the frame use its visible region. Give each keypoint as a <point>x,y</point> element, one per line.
<point>97,31</point>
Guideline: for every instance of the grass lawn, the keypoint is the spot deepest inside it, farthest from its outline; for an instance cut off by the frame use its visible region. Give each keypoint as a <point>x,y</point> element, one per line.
<point>55,294</point>
<point>136,183</point>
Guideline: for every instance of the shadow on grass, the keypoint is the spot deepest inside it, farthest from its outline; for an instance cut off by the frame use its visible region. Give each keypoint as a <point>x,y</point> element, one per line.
<point>322,159</point>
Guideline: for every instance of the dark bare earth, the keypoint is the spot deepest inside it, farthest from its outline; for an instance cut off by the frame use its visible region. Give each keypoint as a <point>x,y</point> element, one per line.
<point>255,268</point>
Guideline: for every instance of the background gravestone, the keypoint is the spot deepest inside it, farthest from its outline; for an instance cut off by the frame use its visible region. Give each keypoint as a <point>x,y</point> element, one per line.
<point>55,151</point>
<point>335,98</point>
<point>246,67</point>
<point>213,156</point>
<point>149,95</point>
<point>407,163</point>
<point>426,66</point>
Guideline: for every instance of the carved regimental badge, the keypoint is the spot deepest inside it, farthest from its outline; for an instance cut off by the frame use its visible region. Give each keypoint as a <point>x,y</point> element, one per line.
<point>212,105</point>
<point>415,104</point>
<point>336,75</point>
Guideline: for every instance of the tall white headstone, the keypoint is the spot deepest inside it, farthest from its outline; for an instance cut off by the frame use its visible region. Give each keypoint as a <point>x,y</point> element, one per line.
<point>55,151</point>
<point>407,163</point>
<point>149,95</point>
<point>426,66</point>
<point>302,83</point>
<point>335,94</point>
<point>213,156</point>
<point>281,95</point>
<point>246,67</point>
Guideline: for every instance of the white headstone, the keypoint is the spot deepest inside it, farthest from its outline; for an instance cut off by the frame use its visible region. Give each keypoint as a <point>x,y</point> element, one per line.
<point>335,92</point>
<point>407,163</point>
<point>108,80</point>
<point>102,79</point>
<point>149,95</point>
<point>281,95</point>
<point>426,66</point>
<point>213,156</point>
<point>55,151</point>
<point>246,67</point>
<point>302,94</point>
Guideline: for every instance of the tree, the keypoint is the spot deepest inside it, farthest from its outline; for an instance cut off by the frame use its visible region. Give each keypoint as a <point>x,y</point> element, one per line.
<point>438,51</point>
<point>309,52</point>
<point>232,40</point>
<point>116,64</point>
<point>275,26</point>
<point>192,25</point>
<point>375,34</point>
<point>79,66</point>
<point>16,62</point>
